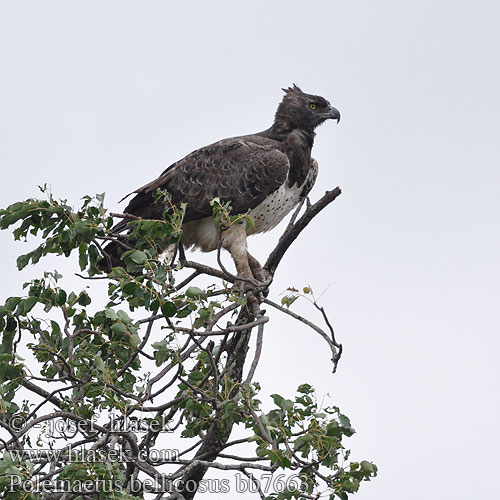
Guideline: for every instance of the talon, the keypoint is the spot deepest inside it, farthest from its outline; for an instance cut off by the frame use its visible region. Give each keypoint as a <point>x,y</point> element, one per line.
<point>247,286</point>
<point>268,277</point>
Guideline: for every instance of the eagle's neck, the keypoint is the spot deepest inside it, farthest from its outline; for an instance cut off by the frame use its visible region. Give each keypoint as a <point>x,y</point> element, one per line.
<point>296,143</point>
<point>281,130</point>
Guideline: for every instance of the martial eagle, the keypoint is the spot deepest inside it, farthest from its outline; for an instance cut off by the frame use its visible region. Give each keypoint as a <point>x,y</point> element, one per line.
<point>265,174</point>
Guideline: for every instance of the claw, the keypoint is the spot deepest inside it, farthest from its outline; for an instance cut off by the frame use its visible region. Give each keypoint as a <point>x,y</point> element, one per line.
<point>247,285</point>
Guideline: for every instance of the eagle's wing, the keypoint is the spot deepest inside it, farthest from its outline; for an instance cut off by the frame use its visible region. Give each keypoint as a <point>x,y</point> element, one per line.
<point>242,170</point>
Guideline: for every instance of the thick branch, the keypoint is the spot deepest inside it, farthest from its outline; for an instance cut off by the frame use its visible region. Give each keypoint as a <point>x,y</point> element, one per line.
<point>293,230</point>
<point>41,392</point>
<point>217,435</point>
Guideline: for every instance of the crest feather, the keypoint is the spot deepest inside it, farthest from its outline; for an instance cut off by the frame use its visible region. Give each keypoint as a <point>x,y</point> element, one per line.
<point>293,90</point>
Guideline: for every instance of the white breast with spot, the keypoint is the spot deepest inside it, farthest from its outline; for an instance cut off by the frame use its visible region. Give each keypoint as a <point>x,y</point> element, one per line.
<point>275,207</point>
<point>203,233</point>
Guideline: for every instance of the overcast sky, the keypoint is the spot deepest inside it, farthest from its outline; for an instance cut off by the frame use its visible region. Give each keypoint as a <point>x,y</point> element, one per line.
<point>102,96</point>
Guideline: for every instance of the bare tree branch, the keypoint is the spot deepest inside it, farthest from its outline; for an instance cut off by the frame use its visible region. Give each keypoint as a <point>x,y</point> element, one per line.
<point>334,347</point>
<point>291,233</point>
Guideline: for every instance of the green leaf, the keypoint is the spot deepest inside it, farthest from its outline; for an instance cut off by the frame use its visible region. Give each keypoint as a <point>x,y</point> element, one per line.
<point>193,292</point>
<point>22,261</point>
<point>118,328</point>
<point>249,222</point>
<point>130,287</point>
<point>288,300</point>
<point>186,310</point>
<point>84,299</point>
<point>302,440</point>
<point>99,363</point>
<point>162,351</point>
<point>61,298</point>
<point>168,309</point>
<point>10,325</point>
<point>82,228</point>
<point>109,313</point>
<point>161,273</point>
<point>138,257</point>
<point>118,273</point>
<point>368,467</point>
<point>28,304</point>
<point>195,376</point>
<point>277,457</point>
<point>344,420</point>
<point>304,388</point>
<point>284,404</point>
<point>11,303</point>
<point>205,314</point>
<point>124,316</point>
<point>83,257</point>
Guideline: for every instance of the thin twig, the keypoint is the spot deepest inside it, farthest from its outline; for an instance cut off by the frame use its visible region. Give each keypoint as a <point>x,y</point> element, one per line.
<point>125,216</point>
<point>334,347</point>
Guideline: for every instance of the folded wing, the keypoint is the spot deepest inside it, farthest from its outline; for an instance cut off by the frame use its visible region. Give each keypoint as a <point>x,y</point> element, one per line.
<point>242,170</point>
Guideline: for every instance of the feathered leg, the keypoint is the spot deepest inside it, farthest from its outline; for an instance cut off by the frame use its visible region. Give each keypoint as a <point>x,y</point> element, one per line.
<point>247,267</point>
<point>234,240</point>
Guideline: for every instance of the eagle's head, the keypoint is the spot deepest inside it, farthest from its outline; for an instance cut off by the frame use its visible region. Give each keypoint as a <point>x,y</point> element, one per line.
<point>305,111</point>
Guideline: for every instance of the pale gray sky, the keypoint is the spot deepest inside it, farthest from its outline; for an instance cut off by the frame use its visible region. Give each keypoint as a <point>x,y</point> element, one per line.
<point>101,96</point>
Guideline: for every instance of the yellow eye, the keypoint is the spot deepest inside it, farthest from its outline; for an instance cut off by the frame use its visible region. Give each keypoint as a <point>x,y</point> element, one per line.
<point>312,105</point>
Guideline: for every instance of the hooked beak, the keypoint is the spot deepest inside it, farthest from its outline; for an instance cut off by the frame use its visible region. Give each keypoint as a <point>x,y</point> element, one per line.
<point>333,113</point>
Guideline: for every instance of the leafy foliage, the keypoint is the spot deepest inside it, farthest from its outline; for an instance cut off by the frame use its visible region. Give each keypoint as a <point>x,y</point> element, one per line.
<point>154,335</point>
<point>223,216</point>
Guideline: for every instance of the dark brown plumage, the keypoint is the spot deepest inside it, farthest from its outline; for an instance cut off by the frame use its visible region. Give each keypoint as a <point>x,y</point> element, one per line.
<point>265,173</point>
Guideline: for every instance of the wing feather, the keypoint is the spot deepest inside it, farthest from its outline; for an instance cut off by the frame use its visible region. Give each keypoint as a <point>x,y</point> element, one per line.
<point>242,170</point>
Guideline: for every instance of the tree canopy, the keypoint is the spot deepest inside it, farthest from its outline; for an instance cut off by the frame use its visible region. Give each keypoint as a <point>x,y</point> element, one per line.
<point>149,393</point>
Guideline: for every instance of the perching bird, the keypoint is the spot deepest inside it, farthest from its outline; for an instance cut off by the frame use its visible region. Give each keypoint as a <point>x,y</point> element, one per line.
<point>266,173</point>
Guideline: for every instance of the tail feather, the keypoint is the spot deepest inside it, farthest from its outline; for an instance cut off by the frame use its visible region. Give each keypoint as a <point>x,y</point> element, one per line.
<point>112,257</point>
